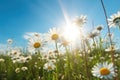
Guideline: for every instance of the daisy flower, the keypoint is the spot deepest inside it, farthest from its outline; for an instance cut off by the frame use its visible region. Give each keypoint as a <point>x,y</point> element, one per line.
<point>21,59</point>
<point>48,54</point>
<point>24,68</point>
<point>116,55</point>
<point>53,35</point>
<point>79,21</point>
<point>93,34</point>
<point>64,42</point>
<point>111,48</point>
<point>52,55</point>
<point>17,70</point>
<point>114,20</point>
<point>44,57</point>
<point>110,35</point>
<point>104,70</point>
<point>35,44</point>
<point>2,60</point>
<point>49,66</point>
<point>35,41</point>
<point>99,27</point>
<point>9,41</point>
<point>14,53</point>
<point>29,57</point>
<point>29,35</point>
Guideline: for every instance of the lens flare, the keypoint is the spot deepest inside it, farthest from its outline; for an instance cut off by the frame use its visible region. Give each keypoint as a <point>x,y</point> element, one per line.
<point>71,33</point>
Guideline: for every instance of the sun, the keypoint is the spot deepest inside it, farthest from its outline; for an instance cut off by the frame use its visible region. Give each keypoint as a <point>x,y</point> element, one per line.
<point>71,33</point>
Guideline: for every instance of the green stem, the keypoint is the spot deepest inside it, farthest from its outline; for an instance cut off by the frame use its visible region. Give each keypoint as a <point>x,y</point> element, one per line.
<point>56,45</point>
<point>86,61</point>
<point>57,71</point>
<point>68,64</point>
<point>94,43</point>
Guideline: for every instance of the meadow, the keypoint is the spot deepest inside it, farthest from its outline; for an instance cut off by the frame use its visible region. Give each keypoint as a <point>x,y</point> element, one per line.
<point>60,54</point>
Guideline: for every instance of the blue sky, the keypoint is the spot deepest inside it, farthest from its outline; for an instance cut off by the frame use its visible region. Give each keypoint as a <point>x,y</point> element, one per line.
<point>20,16</point>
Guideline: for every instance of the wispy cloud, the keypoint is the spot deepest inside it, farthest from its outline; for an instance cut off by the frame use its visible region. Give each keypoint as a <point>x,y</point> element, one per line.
<point>3,48</point>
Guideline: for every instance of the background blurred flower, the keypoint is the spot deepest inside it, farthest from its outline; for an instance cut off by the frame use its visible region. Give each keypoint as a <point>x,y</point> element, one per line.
<point>49,66</point>
<point>79,21</point>
<point>2,60</point>
<point>17,70</point>
<point>9,41</point>
<point>32,34</point>
<point>93,34</point>
<point>24,68</point>
<point>111,48</point>
<point>99,27</point>
<point>14,53</point>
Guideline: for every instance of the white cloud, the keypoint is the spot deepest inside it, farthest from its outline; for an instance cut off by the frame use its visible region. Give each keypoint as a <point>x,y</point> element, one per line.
<point>3,48</point>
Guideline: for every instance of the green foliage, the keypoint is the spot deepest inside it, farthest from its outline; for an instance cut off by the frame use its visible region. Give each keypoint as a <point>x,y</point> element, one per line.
<point>73,68</point>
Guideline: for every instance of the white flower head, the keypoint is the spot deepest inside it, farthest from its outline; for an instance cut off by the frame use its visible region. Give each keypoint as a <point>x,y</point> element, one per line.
<point>35,44</point>
<point>29,57</point>
<point>99,27</point>
<point>44,56</point>
<point>94,33</point>
<point>104,70</point>
<point>53,35</point>
<point>2,60</point>
<point>9,41</point>
<point>111,48</point>
<point>79,21</point>
<point>22,59</point>
<point>17,70</point>
<point>110,35</point>
<point>53,54</point>
<point>114,20</point>
<point>49,55</point>
<point>64,42</point>
<point>24,68</point>
<point>116,55</point>
<point>14,53</point>
<point>31,34</point>
<point>35,41</point>
<point>49,66</point>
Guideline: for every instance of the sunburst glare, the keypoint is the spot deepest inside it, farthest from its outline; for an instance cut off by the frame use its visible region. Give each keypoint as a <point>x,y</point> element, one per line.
<point>71,33</point>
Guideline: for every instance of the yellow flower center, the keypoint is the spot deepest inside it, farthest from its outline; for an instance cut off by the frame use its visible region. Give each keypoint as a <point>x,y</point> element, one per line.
<point>15,53</point>
<point>65,43</point>
<point>55,37</point>
<point>104,71</point>
<point>49,67</point>
<point>37,45</point>
<point>99,28</point>
<point>36,35</point>
<point>112,48</point>
<point>116,20</point>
